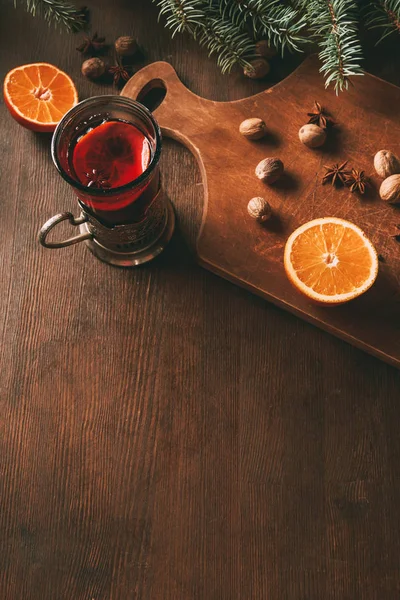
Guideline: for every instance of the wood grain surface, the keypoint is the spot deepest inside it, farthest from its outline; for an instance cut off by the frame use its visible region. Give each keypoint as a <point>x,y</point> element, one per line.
<point>232,244</point>
<point>165,435</point>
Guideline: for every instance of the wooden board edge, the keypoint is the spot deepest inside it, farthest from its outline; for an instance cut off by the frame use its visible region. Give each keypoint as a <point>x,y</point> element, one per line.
<point>353,341</point>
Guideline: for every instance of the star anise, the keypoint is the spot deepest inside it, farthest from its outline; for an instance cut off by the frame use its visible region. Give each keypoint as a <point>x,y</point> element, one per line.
<point>91,45</point>
<point>335,174</point>
<point>357,181</point>
<point>119,73</point>
<point>98,179</point>
<point>319,117</point>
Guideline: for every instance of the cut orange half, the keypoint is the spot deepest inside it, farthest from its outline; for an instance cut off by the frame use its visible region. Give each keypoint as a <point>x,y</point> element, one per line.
<point>330,260</point>
<point>39,95</point>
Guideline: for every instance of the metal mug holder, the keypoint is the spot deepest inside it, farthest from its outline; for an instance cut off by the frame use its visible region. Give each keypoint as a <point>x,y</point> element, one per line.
<point>125,245</point>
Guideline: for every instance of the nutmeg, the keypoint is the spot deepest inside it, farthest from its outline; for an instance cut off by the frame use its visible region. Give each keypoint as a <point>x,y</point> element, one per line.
<point>93,68</point>
<point>312,136</point>
<point>390,189</point>
<point>259,68</point>
<point>126,46</point>
<point>259,209</point>
<point>386,163</point>
<point>269,170</point>
<point>253,129</point>
<point>264,49</point>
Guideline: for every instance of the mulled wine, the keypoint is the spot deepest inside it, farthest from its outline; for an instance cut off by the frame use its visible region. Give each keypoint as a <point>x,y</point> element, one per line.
<point>107,156</point>
<point>108,149</point>
<point>110,155</point>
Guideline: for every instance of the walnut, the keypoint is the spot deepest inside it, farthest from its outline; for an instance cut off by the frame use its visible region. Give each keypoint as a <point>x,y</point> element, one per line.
<point>312,136</point>
<point>93,68</point>
<point>259,68</point>
<point>126,46</point>
<point>390,189</point>
<point>269,170</point>
<point>253,129</point>
<point>386,163</point>
<point>259,209</point>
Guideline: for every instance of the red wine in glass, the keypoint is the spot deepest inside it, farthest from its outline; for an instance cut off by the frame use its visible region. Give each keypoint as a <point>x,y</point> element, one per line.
<point>108,156</point>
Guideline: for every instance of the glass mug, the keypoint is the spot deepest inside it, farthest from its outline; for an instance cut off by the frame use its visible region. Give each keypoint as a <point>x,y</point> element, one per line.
<point>125,219</point>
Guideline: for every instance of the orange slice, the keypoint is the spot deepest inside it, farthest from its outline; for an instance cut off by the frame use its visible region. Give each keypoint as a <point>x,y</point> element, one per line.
<point>39,95</point>
<point>330,260</point>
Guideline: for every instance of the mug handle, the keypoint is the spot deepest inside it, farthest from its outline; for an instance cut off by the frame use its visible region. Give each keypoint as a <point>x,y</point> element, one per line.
<point>48,226</point>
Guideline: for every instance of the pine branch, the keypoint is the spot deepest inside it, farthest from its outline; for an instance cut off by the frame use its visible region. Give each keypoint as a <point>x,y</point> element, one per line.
<point>230,44</point>
<point>204,22</point>
<point>223,25</point>
<point>282,25</point>
<point>384,14</point>
<point>182,15</point>
<point>333,25</point>
<point>59,12</point>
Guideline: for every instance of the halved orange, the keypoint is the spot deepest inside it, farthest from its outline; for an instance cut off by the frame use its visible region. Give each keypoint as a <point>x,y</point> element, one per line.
<point>39,95</point>
<point>330,260</point>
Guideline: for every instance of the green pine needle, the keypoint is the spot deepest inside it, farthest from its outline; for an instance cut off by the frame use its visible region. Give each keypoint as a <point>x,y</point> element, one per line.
<point>59,12</point>
<point>231,45</point>
<point>333,24</point>
<point>282,25</point>
<point>206,23</point>
<point>182,15</point>
<point>384,14</point>
<point>228,28</point>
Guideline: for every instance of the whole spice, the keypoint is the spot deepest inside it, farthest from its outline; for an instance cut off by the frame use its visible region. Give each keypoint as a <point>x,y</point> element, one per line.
<point>390,189</point>
<point>93,68</point>
<point>126,46</point>
<point>312,136</point>
<point>335,174</point>
<point>259,209</point>
<point>269,170</point>
<point>319,117</point>
<point>98,179</point>
<point>119,73</point>
<point>259,68</point>
<point>253,129</point>
<point>91,45</point>
<point>264,49</point>
<point>357,181</point>
<point>386,163</point>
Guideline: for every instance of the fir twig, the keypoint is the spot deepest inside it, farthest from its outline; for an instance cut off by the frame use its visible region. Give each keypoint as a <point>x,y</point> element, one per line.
<point>206,23</point>
<point>182,15</point>
<point>59,12</point>
<point>384,14</point>
<point>231,45</point>
<point>283,25</point>
<point>333,25</point>
<point>229,28</point>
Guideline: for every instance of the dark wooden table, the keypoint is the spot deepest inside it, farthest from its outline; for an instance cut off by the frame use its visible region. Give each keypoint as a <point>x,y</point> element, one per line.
<point>165,435</point>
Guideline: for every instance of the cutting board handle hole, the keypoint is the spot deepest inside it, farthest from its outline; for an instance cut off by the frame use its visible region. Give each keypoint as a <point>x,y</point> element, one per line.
<point>152,94</point>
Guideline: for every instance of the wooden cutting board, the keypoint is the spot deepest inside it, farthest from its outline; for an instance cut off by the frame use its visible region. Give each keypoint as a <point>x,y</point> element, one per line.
<point>236,247</point>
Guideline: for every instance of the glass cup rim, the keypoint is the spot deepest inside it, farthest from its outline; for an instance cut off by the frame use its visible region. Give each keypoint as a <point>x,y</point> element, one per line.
<point>122,100</point>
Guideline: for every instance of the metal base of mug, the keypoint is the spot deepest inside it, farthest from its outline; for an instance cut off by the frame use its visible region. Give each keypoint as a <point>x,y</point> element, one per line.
<point>137,257</point>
